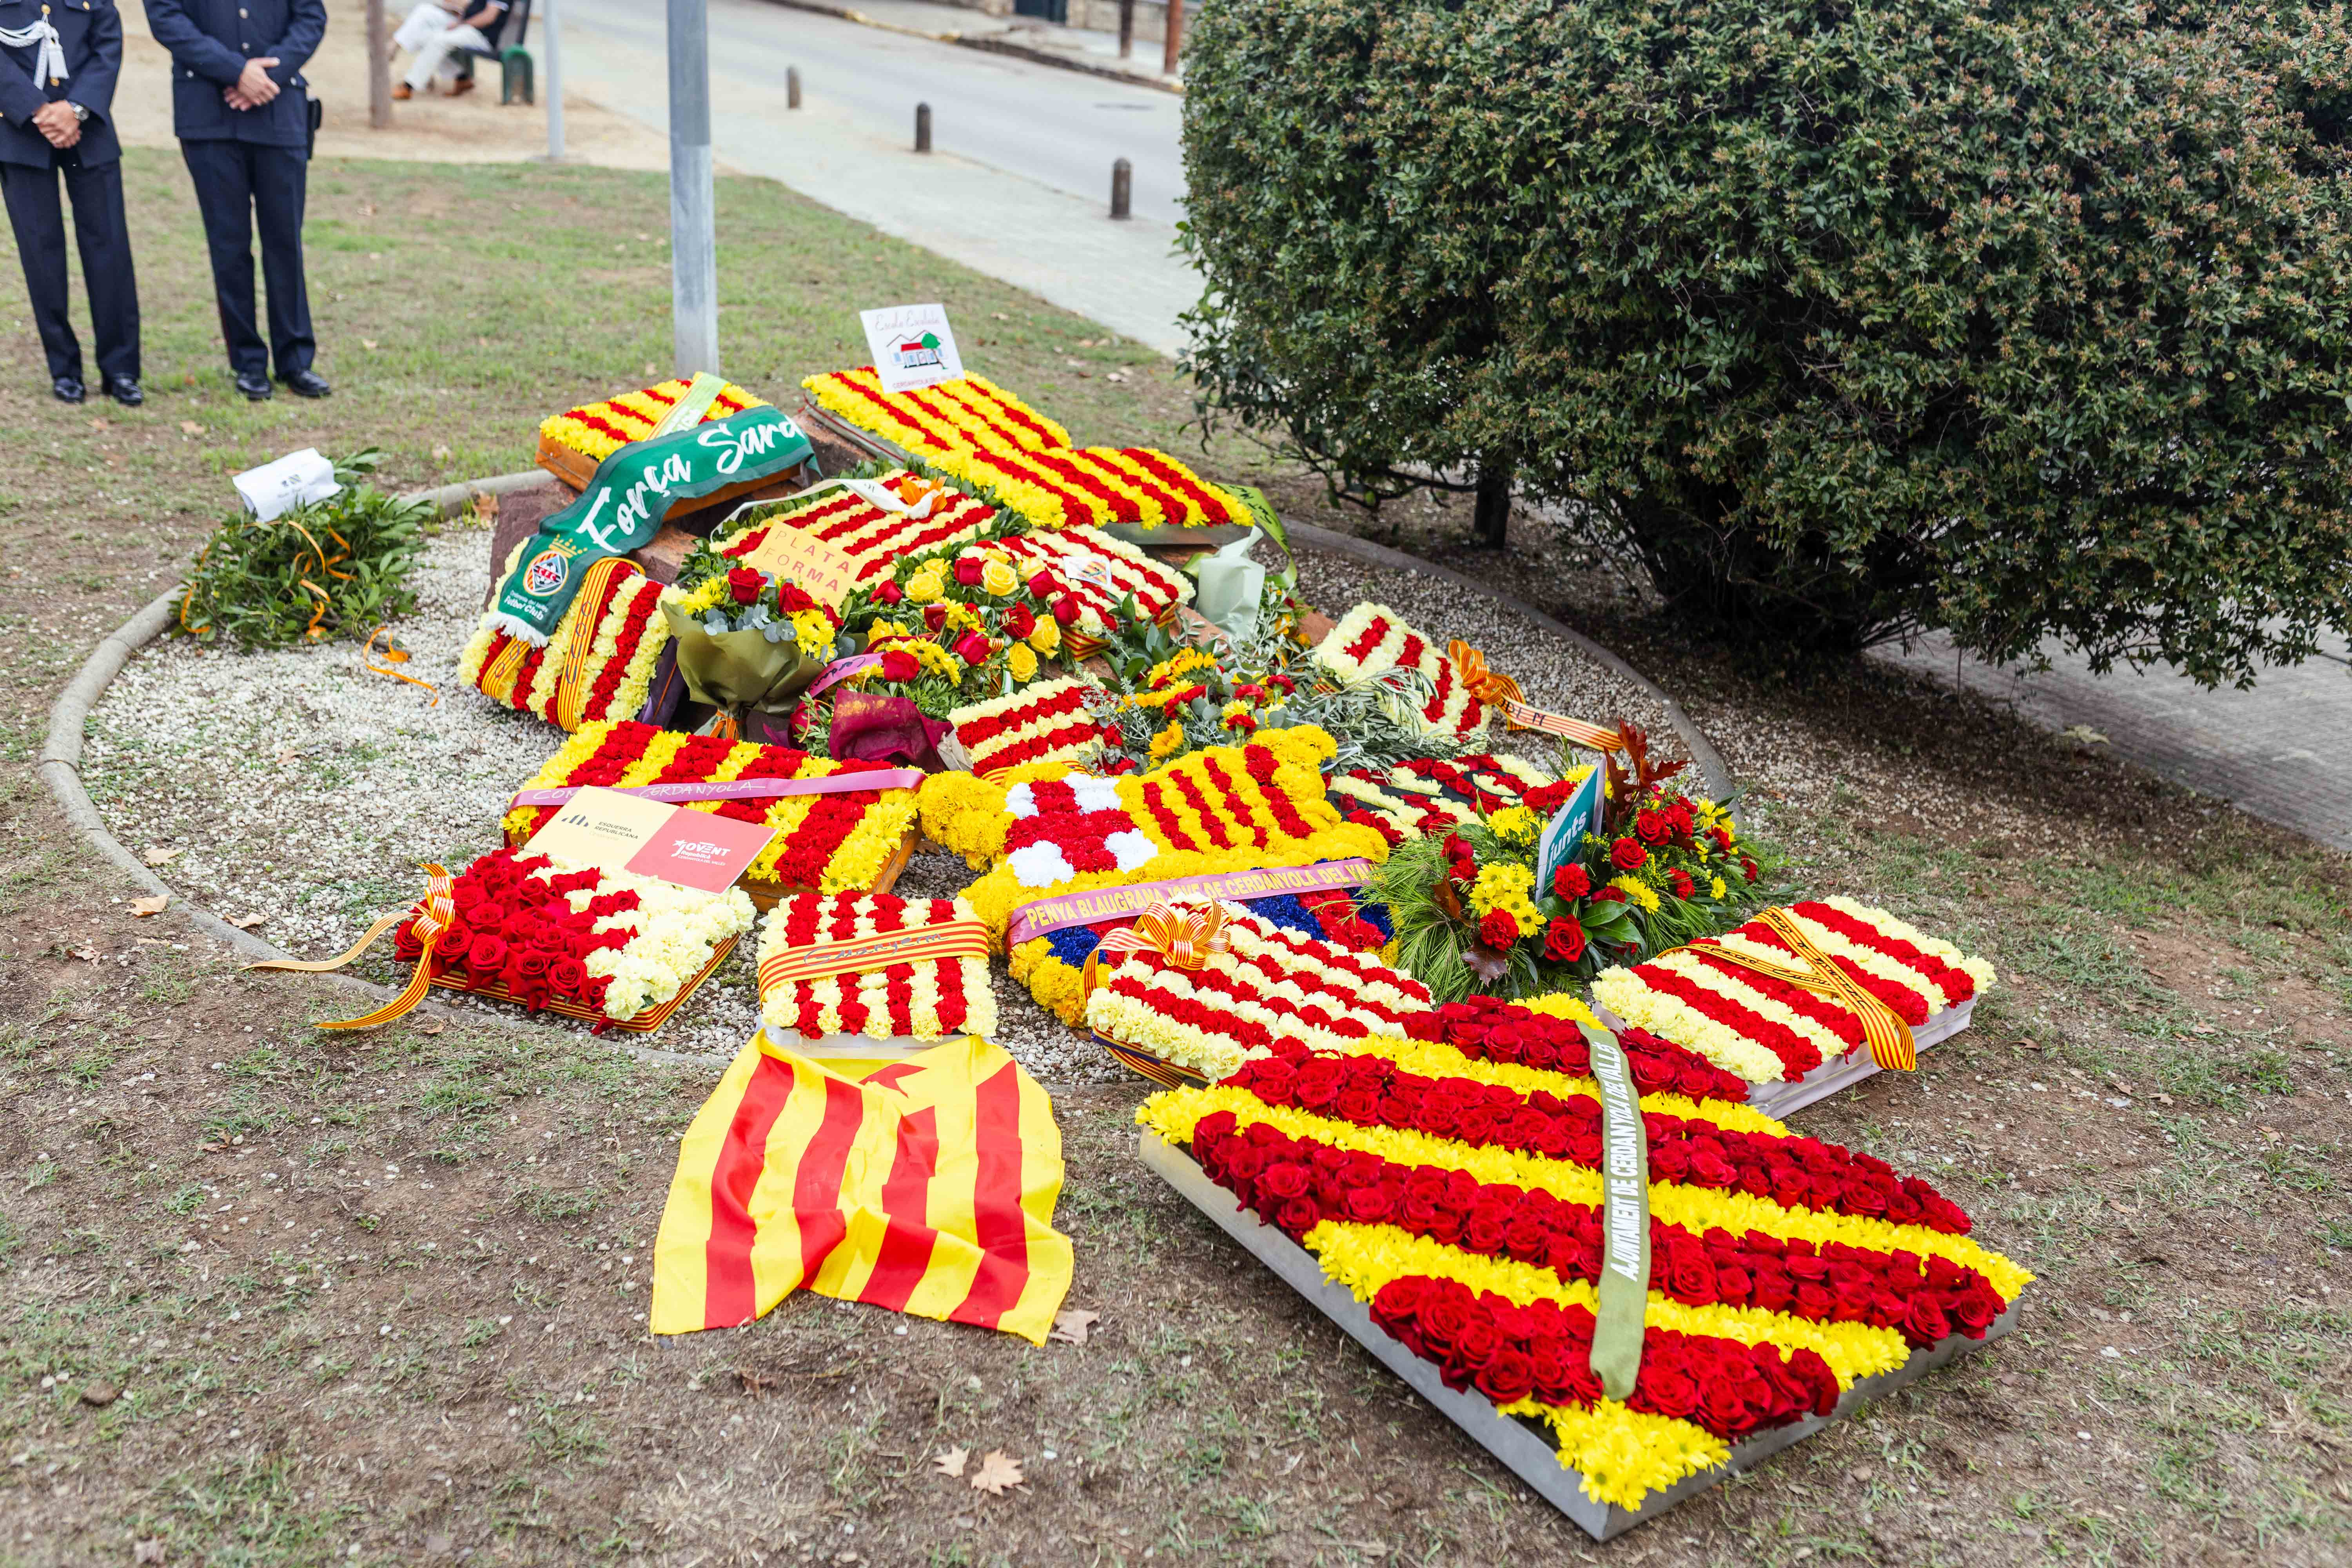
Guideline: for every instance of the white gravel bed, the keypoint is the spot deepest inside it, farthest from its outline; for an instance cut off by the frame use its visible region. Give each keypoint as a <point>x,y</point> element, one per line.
<point>300,787</point>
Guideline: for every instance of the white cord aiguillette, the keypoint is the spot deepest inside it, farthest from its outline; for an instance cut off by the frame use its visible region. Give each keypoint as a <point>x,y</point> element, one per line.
<point>49,65</point>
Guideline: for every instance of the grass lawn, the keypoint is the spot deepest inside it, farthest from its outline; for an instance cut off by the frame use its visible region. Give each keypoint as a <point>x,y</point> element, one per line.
<point>280,1297</point>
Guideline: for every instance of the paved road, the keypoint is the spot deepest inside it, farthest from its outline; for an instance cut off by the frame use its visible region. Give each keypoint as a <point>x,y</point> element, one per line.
<point>2282,750</point>
<point>1020,184</point>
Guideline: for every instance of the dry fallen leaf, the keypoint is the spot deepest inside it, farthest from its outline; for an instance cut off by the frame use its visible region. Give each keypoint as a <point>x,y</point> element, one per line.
<point>86,954</point>
<point>98,425</point>
<point>950,1461</point>
<point>996,1472</point>
<point>754,1383</point>
<point>246,922</point>
<point>148,1551</point>
<point>190,428</point>
<point>1073,1325</point>
<point>430,1025</point>
<point>2273,1134</point>
<point>99,1396</point>
<point>143,908</point>
<point>156,855</point>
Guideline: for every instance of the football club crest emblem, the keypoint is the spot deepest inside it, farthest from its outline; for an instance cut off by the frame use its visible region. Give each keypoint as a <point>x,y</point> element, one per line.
<point>545,574</point>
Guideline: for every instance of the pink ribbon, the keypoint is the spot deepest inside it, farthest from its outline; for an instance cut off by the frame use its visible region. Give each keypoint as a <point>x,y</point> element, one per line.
<point>1049,915</point>
<point>839,670</point>
<point>740,789</point>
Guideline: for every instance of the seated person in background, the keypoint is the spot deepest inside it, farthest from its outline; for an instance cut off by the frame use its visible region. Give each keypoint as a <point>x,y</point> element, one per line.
<point>435,31</point>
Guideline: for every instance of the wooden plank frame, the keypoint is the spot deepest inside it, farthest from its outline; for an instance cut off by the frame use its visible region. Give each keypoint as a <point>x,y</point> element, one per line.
<point>766,895</point>
<point>1779,1100</point>
<point>643,1022</point>
<point>1524,1449</point>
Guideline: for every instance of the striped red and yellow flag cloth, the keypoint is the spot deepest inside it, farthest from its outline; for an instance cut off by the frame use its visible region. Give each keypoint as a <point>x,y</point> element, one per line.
<point>926,1187</point>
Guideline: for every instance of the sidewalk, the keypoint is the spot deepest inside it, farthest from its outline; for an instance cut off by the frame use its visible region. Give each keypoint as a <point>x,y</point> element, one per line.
<point>1079,48</point>
<point>2282,750</point>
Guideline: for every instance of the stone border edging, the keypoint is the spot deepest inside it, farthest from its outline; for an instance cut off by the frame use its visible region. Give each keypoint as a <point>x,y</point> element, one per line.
<point>1711,766</point>
<point>61,749</point>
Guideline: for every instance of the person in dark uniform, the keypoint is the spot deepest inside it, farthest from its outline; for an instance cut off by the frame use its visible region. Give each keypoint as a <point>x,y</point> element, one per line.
<point>239,107</point>
<point>58,62</point>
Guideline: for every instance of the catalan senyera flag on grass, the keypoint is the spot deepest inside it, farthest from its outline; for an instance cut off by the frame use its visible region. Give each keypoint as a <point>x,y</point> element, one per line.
<point>925,1186</point>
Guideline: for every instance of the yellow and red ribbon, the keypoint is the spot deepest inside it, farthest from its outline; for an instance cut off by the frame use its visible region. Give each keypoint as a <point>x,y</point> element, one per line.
<point>392,654</point>
<point>1185,935</point>
<point>1499,691</point>
<point>428,922</point>
<point>1889,1037</point>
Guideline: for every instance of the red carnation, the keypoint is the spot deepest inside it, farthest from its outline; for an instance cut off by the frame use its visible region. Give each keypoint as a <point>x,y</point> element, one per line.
<point>1571,882</point>
<point>1680,881</point>
<point>1065,609</point>
<point>1628,855</point>
<point>1749,868</point>
<point>900,666</point>
<point>1498,930</point>
<point>743,583</point>
<point>888,593</point>
<point>968,569</point>
<point>972,649</point>
<point>1564,939</point>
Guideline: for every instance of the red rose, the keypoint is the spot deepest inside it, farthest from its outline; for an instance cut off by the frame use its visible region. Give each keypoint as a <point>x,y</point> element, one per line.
<point>1019,621</point>
<point>1628,855</point>
<point>968,569</point>
<point>1371,1205</point>
<point>900,666</point>
<point>1925,1323</point>
<point>743,583</point>
<point>888,593</point>
<point>1571,882</point>
<point>1652,828</point>
<point>1444,1317</point>
<point>1044,585</point>
<point>1665,1393</point>
<point>1477,1342</point>
<point>1564,940</point>
<point>1508,1377</point>
<point>534,962</point>
<point>794,599</point>
<point>1285,1181</point>
<point>486,955</point>
<point>1680,881</point>
<point>1297,1216</point>
<point>1065,610</point>
<point>934,617</point>
<point>568,975</point>
<point>1498,930</point>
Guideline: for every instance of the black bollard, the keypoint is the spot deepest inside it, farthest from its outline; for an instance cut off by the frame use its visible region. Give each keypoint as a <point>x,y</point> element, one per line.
<point>1122,187</point>
<point>791,87</point>
<point>922,128</point>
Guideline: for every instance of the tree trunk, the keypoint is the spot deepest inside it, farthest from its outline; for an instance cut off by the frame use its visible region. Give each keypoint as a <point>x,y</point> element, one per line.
<point>1494,511</point>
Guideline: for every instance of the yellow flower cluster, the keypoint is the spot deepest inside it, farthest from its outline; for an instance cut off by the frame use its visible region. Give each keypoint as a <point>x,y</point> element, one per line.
<point>1504,886</point>
<point>1168,741</point>
<point>1515,825</point>
<point>935,659</point>
<point>1022,661</point>
<point>813,633</point>
<point>600,429</point>
<point>1639,892</point>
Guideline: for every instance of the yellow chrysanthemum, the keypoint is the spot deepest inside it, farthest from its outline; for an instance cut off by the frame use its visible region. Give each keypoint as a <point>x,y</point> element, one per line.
<point>813,633</point>
<point>1514,825</point>
<point>1715,889</point>
<point>1168,743</point>
<point>1634,887</point>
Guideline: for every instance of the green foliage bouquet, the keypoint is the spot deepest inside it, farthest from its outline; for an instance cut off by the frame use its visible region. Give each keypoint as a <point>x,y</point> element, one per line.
<point>335,568</point>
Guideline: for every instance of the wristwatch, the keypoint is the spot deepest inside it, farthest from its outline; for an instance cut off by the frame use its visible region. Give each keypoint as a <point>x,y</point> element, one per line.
<point>79,113</point>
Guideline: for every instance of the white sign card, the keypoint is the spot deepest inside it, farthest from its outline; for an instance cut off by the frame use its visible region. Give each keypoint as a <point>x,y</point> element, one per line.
<point>912,346</point>
<point>295,479</point>
<point>1563,835</point>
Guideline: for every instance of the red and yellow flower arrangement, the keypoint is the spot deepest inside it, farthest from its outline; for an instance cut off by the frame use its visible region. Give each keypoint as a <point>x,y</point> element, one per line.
<point>597,430</point>
<point>1453,1185</point>
<point>598,665</point>
<point>928,996</point>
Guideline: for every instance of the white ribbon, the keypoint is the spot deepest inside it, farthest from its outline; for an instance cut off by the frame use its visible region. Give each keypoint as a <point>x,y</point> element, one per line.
<point>49,65</point>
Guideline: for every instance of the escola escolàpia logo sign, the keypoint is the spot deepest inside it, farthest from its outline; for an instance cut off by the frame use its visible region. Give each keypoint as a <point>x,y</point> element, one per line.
<point>623,505</point>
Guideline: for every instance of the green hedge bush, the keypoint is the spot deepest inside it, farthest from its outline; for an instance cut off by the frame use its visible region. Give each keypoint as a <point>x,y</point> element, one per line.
<point>1844,320</point>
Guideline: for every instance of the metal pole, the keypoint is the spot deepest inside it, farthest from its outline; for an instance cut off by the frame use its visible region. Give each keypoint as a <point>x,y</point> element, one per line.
<point>555,85</point>
<point>1122,187</point>
<point>922,128</point>
<point>1126,29</point>
<point>693,242</point>
<point>379,69</point>
<point>1175,38</point>
<point>791,87</point>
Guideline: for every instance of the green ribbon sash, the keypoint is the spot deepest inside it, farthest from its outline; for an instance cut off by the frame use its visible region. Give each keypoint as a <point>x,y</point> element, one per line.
<point>1625,1219</point>
<point>623,506</point>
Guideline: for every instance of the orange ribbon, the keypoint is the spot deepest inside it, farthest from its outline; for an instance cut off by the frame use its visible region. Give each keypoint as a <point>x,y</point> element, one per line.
<point>428,922</point>
<point>1889,1037</point>
<point>392,654</point>
<point>1183,935</point>
<point>1499,691</point>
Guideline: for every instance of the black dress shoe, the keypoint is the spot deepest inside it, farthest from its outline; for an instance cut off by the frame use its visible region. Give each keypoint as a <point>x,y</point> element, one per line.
<point>66,388</point>
<point>253,384</point>
<point>124,389</point>
<point>306,383</point>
